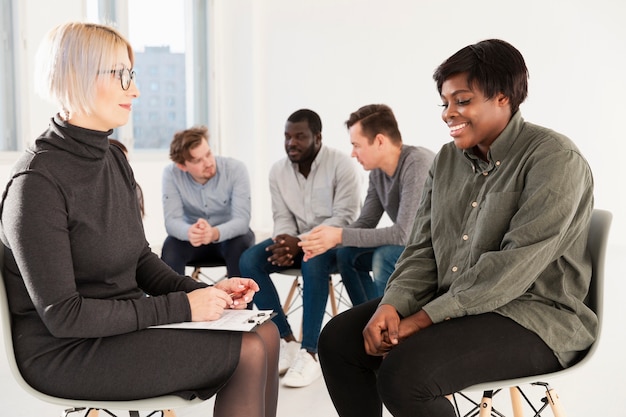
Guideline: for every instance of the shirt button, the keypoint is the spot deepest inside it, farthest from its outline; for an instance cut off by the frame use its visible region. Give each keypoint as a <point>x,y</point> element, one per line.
<point>465,237</point>
<point>497,163</point>
<point>485,173</point>
<point>454,269</point>
<point>474,204</point>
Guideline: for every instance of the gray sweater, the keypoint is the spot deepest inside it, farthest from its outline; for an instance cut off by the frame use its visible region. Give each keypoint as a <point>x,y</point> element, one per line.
<point>78,264</point>
<point>397,195</point>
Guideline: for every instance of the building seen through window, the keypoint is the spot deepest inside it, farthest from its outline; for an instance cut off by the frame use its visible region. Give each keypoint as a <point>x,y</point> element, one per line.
<point>161,80</point>
<point>160,111</point>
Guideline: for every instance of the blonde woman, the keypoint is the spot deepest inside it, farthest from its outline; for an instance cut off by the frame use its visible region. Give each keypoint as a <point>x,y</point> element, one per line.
<point>77,264</point>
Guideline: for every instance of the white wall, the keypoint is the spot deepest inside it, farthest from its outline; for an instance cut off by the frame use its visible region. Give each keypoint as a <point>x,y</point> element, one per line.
<point>336,55</point>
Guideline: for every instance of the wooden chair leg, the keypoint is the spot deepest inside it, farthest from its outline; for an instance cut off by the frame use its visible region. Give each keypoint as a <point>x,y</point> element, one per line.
<point>553,401</point>
<point>291,295</point>
<point>485,404</point>
<point>516,402</point>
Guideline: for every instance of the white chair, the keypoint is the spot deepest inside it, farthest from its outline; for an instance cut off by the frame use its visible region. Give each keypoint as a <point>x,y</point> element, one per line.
<point>163,404</point>
<point>596,245</point>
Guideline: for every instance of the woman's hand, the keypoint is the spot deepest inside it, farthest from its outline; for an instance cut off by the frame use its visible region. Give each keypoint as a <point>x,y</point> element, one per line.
<point>240,290</point>
<point>381,332</point>
<point>208,303</point>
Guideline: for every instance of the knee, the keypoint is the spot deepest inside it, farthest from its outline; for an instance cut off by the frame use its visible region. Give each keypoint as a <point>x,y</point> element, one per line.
<point>329,347</point>
<point>402,387</point>
<point>169,248</point>
<point>252,347</point>
<point>270,335</point>
<point>252,258</point>
<point>345,258</point>
<point>328,338</point>
<point>386,255</point>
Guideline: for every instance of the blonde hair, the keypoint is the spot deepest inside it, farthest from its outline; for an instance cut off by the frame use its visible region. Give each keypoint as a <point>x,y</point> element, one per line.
<point>69,60</point>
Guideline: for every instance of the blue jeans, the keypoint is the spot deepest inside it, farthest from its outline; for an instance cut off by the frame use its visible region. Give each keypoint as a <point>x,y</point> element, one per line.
<point>315,274</point>
<point>355,263</point>
<point>178,253</point>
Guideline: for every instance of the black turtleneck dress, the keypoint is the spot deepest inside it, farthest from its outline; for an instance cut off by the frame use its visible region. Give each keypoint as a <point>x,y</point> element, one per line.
<point>84,285</point>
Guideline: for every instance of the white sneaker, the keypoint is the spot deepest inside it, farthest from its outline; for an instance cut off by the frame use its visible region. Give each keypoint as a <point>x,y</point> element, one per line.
<point>304,370</point>
<point>287,355</point>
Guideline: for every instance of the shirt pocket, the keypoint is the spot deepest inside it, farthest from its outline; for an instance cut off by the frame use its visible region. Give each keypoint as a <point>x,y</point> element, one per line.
<point>322,201</point>
<point>494,219</point>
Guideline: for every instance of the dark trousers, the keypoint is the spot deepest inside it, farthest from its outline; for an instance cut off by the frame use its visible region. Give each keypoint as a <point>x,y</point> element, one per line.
<point>413,379</point>
<point>178,253</point>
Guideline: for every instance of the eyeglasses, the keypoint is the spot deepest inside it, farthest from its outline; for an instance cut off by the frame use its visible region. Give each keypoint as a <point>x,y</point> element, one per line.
<point>125,76</point>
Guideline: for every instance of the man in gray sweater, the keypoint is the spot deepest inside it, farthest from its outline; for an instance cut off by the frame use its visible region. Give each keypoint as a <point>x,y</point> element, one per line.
<point>396,179</point>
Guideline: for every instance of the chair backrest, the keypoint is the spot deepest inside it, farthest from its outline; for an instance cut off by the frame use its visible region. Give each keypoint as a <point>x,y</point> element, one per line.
<point>597,243</point>
<point>148,404</point>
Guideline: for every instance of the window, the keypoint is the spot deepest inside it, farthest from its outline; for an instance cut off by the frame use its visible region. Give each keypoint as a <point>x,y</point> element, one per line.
<point>156,29</point>
<point>8,80</point>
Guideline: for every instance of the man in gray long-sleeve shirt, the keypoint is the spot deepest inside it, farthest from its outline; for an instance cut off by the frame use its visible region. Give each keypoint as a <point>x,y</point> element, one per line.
<point>397,175</point>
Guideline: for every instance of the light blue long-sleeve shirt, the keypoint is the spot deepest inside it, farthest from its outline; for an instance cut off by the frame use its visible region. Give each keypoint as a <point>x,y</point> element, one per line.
<point>224,201</point>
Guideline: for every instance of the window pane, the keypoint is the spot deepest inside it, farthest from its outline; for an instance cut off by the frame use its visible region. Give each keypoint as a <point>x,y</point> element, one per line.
<point>8,117</point>
<point>157,33</point>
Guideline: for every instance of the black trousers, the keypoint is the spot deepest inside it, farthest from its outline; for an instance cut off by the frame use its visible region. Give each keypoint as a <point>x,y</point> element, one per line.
<point>413,379</point>
<point>178,253</point>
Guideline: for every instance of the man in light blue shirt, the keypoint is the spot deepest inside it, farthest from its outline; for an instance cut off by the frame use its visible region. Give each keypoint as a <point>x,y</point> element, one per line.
<point>206,205</point>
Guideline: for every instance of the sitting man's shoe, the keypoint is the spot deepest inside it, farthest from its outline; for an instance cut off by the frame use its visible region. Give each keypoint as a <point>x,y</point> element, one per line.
<point>303,372</point>
<point>287,356</point>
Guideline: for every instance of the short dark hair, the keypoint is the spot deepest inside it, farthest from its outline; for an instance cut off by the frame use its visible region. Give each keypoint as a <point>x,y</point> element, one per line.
<point>375,119</point>
<point>312,118</point>
<point>186,140</point>
<point>493,65</point>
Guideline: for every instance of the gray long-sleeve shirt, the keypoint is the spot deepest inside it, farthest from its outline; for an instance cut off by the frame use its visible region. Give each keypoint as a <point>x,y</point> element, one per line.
<point>397,195</point>
<point>507,236</point>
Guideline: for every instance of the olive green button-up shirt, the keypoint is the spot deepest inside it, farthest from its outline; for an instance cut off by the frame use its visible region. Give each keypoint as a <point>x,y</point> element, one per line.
<point>506,236</point>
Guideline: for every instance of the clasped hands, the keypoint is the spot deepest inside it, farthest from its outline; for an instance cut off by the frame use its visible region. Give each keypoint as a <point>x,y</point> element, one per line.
<point>202,233</point>
<point>386,329</point>
<point>209,303</point>
<point>284,249</point>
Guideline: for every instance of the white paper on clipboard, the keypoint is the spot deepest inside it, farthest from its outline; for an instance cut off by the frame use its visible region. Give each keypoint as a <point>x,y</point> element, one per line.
<point>233,320</point>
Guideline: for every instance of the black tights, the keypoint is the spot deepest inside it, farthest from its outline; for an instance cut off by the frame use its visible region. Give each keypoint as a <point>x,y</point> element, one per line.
<point>252,390</point>
<point>416,375</point>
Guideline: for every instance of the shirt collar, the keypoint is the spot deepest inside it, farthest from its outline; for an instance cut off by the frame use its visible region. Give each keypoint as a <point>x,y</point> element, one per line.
<point>500,147</point>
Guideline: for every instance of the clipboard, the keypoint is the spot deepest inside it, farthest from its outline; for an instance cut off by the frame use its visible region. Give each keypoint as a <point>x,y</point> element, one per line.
<point>232,320</point>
